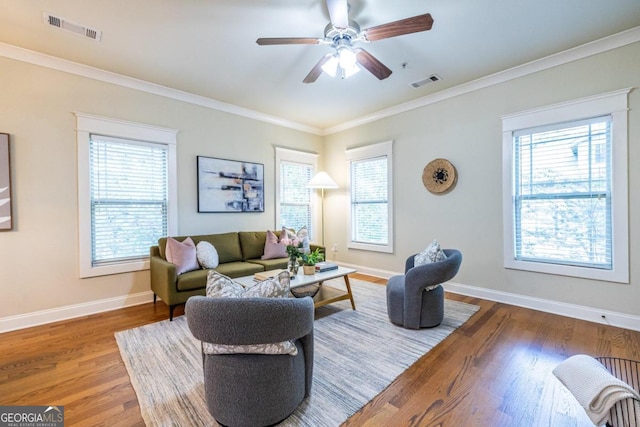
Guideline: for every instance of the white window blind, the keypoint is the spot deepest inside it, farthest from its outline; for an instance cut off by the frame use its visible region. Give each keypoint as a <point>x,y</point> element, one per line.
<point>369,201</point>
<point>565,188</point>
<point>370,197</point>
<point>562,194</point>
<point>128,196</point>
<point>295,196</point>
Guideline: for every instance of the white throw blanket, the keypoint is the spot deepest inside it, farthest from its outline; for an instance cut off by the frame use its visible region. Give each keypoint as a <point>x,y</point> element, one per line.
<point>593,386</point>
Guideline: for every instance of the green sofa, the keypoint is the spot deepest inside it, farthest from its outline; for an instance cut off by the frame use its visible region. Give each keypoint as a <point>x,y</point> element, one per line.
<point>239,255</point>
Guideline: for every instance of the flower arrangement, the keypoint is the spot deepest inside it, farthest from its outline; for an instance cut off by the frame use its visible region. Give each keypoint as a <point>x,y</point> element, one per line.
<point>293,247</point>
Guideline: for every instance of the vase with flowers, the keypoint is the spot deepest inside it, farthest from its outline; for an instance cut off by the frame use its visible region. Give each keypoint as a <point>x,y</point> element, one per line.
<point>293,247</point>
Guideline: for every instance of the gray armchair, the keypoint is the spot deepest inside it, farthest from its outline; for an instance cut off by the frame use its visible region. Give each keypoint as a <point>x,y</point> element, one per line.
<point>254,389</point>
<point>409,304</point>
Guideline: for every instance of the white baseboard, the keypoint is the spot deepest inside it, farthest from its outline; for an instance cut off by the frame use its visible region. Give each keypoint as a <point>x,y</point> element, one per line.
<point>375,272</point>
<point>42,317</point>
<point>590,314</point>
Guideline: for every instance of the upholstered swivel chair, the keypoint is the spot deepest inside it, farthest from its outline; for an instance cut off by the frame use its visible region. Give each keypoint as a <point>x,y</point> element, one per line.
<point>254,389</point>
<point>409,303</point>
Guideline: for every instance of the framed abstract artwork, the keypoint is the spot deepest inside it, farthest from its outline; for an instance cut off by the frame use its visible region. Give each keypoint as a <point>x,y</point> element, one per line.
<point>230,185</point>
<point>6,221</point>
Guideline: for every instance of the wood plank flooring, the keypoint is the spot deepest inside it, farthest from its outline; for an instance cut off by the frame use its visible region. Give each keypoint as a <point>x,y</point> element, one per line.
<point>495,370</point>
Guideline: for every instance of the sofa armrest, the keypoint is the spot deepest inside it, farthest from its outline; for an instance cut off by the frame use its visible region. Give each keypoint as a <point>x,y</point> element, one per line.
<point>163,278</point>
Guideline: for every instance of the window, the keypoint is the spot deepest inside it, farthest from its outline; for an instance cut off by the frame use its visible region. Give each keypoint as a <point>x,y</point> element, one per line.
<point>126,193</point>
<point>371,225</point>
<point>565,189</point>
<point>296,207</point>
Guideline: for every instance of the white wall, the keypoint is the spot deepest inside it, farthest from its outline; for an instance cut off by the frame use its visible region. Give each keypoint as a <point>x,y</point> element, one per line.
<point>38,259</point>
<point>467,131</point>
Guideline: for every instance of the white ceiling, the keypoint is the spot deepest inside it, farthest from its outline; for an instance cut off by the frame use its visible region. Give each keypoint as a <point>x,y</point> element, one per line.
<point>207,47</point>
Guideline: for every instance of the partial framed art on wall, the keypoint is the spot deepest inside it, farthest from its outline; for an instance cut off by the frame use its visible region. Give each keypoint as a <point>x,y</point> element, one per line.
<point>6,220</point>
<point>230,185</point>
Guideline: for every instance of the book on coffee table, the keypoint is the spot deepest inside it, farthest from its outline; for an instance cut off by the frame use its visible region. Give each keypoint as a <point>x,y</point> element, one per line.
<point>326,266</point>
<point>264,275</point>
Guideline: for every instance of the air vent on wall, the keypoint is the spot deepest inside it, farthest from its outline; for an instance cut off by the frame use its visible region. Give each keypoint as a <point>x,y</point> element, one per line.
<point>66,25</point>
<point>432,78</point>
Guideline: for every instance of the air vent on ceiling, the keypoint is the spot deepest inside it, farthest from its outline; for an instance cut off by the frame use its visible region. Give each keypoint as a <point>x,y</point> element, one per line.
<point>66,25</point>
<point>432,78</point>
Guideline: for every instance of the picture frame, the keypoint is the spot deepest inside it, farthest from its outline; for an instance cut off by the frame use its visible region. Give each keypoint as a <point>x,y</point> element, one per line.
<point>6,217</point>
<point>229,185</point>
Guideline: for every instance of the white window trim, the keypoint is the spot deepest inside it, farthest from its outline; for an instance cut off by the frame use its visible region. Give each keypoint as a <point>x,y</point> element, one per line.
<point>367,152</point>
<point>86,124</point>
<point>296,156</point>
<point>613,103</point>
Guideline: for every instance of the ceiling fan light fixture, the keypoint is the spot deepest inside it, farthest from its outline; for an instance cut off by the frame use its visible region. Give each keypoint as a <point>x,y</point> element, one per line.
<point>350,71</point>
<point>347,57</point>
<point>331,66</point>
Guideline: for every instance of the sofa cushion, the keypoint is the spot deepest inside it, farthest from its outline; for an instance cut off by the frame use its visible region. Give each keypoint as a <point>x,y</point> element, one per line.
<point>238,269</point>
<point>196,279</point>
<point>221,286</point>
<point>207,255</point>
<point>182,255</point>
<point>270,264</point>
<point>227,245</point>
<point>273,248</point>
<point>252,243</point>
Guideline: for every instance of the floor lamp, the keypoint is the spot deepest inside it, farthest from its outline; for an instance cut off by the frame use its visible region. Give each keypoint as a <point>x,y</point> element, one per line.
<point>323,181</point>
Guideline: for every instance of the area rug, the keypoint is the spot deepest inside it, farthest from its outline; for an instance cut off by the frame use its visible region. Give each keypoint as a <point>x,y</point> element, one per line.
<point>357,355</point>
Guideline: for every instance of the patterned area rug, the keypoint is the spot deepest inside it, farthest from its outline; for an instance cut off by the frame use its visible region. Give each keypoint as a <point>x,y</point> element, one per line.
<point>357,355</point>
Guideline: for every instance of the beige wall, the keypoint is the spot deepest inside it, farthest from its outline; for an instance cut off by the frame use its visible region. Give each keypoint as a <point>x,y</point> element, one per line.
<point>467,130</point>
<point>38,259</point>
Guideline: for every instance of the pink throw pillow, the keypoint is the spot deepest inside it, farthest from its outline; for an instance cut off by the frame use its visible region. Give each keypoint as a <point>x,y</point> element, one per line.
<point>272,248</point>
<point>182,254</point>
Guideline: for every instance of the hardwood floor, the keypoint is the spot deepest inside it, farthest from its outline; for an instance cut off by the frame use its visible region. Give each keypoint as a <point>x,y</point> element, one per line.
<point>495,370</point>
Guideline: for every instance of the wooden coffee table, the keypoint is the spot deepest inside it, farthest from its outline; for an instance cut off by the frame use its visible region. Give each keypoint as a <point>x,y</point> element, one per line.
<point>326,294</point>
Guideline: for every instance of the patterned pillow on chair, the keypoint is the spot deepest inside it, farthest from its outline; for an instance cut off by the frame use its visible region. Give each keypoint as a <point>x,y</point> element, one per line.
<point>221,286</point>
<point>431,254</point>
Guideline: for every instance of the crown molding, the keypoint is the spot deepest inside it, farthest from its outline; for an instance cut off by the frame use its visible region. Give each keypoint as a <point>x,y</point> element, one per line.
<point>54,63</point>
<point>593,48</point>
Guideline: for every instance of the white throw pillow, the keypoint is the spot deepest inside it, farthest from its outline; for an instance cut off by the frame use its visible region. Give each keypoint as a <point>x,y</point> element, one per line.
<point>207,255</point>
<point>221,286</point>
<point>430,254</point>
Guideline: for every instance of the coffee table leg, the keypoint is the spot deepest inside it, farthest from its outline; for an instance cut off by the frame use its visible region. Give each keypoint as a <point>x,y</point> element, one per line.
<point>346,282</point>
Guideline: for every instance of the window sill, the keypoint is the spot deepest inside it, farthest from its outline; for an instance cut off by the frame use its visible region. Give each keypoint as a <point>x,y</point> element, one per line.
<point>116,268</point>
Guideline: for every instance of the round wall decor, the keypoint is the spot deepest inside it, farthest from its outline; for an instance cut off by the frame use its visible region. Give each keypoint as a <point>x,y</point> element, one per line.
<point>439,176</point>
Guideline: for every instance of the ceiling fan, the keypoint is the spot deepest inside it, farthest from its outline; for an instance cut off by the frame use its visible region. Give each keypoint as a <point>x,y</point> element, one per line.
<point>341,33</point>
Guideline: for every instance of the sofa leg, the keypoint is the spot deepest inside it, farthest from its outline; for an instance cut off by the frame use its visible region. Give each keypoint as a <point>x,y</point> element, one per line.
<point>171,308</point>
<point>154,298</point>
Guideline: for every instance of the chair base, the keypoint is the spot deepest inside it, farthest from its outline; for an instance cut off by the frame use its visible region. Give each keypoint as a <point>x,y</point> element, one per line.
<point>251,390</point>
<point>432,306</point>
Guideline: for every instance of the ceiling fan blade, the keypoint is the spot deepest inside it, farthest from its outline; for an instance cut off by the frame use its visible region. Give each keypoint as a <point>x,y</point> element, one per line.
<point>339,13</point>
<point>398,28</point>
<point>316,70</point>
<point>374,66</point>
<point>287,40</point>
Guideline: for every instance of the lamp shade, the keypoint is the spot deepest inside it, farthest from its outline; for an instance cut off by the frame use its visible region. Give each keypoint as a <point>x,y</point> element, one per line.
<point>322,180</point>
